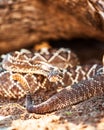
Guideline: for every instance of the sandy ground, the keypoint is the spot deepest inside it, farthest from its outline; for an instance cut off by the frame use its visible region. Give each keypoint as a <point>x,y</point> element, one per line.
<point>87,115</point>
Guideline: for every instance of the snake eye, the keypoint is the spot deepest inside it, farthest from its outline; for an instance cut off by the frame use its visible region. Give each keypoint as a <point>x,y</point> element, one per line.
<point>55,75</point>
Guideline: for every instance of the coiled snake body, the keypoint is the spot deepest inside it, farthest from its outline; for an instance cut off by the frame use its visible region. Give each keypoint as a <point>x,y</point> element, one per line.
<point>24,71</point>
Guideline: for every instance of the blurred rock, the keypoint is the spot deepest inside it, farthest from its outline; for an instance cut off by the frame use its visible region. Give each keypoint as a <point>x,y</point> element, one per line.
<point>24,23</point>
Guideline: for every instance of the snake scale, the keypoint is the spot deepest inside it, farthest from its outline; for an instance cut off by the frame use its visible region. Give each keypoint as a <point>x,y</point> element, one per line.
<point>24,72</point>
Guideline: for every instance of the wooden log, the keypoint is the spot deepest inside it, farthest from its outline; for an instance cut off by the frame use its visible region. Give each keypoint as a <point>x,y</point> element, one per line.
<point>26,22</point>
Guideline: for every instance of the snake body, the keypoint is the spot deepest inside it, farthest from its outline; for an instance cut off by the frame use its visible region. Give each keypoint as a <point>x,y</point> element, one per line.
<point>70,96</point>
<point>27,71</point>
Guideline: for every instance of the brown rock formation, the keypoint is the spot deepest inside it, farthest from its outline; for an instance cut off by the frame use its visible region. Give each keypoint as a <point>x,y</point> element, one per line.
<point>25,22</point>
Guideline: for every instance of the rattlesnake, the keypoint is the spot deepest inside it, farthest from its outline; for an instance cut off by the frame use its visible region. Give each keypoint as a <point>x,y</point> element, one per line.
<point>24,71</point>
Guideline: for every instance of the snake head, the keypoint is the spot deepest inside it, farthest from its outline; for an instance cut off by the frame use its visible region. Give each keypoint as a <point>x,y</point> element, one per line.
<point>53,73</point>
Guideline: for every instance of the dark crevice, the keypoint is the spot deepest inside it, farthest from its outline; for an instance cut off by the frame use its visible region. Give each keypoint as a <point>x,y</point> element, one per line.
<point>88,50</point>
